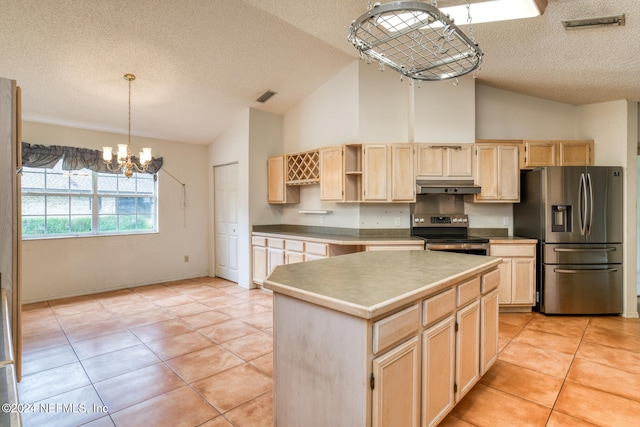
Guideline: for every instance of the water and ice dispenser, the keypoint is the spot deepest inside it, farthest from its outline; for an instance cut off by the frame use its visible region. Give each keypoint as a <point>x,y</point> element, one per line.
<point>561,218</point>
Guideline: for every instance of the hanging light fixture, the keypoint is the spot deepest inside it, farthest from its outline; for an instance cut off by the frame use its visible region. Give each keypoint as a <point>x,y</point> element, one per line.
<point>124,160</point>
<point>416,39</point>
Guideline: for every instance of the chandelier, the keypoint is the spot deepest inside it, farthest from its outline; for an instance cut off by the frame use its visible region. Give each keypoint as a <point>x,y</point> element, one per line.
<point>416,39</point>
<point>124,160</point>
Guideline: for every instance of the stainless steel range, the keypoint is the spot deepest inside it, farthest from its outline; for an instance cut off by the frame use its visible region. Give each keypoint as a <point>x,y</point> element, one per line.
<point>441,222</point>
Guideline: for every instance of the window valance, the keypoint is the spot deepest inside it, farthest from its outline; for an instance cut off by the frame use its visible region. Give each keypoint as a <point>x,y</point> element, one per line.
<point>46,156</point>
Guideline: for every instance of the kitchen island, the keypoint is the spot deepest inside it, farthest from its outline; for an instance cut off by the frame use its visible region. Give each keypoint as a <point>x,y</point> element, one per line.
<point>381,338</point>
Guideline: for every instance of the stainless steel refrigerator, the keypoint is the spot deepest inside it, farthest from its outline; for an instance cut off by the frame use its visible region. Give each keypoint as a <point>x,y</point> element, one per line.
<point>575,212</point>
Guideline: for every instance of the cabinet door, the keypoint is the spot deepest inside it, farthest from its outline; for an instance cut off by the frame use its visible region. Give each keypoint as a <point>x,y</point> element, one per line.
<point>487,172</point>
<point>276,179</point>
<point>259,264</point>
<point>429,161</point>
<point>459,161</point>
<point>293,257</point>
<point>489,330</point>
<point>275,258</point>
<point>467,348</point>
<point>575,153</point>
<point>508,174</point>
<point>539,153</point>
<point>375,172</point>
<point>523,280</point>
<point>278,191</point>
<point>403,185</point>
<point>505,281</point>
<point>396,394</point>
<point>438,369</point>
<point>331,174</point>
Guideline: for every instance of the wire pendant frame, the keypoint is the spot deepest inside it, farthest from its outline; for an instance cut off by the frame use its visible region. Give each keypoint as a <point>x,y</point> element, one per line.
<point>416,39</point>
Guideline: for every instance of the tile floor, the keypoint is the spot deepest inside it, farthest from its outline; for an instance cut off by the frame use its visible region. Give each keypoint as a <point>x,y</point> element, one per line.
<point>199,353</point>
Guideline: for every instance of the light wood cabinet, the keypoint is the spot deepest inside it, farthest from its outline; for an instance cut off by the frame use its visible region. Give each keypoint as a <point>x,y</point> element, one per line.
<point>517,273</point>
<point>438,371</point>
<point>444,161</point>
<point>275,254</point>
<point>539,153</point>
<point>259,262</point>
<point>417,363</point>
<point>375,173</point>
<point>396,397</point>
<point>403,183</point>
<point>278,190</point>
<point>497,171</point>
<point>367,173</point>
<point>489,308</point>
<point>467,348</point>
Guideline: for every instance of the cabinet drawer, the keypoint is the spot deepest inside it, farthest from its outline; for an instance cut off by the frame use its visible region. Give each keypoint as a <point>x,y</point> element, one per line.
<point>468,291</point>
<point>294,245</point>
<point>395,328</point>
<point>512,250</point>
<point>317,248</point>
<point>490,281</point>
<point>275,243</point>
<point>259,241</point>
<point>439,306</point>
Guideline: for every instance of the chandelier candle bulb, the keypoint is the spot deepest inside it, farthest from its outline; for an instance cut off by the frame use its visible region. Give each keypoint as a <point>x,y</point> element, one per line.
<point>106,154</point>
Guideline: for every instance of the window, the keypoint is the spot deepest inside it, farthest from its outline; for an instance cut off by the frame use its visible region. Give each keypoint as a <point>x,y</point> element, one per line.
<point>59,203</point>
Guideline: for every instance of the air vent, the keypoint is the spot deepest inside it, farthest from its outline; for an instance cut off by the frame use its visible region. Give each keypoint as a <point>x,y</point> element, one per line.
<point>265,96</point>
<point>570,24</point>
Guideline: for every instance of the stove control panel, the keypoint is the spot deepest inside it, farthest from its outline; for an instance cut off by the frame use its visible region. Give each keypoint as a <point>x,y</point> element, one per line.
<point>428,220</point>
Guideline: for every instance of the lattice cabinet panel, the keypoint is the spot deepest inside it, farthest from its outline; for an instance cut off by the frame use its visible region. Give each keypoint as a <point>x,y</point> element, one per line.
<point>303,168</point>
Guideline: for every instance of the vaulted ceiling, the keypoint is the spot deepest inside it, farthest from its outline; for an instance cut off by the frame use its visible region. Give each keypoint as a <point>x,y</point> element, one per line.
<point>200,62</point>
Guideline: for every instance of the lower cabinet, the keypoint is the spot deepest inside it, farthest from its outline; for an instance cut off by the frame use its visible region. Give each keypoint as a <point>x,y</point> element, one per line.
<point>457,344</point>
<point>518,273</point>
<point>396,399</point>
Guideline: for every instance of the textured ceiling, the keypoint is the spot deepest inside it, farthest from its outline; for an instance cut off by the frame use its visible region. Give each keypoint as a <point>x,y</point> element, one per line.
<point>200,62</point>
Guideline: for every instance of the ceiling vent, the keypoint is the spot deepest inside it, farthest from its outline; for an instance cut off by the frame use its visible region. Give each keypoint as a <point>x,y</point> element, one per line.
<point>265,96</point>
<point>570,24</point>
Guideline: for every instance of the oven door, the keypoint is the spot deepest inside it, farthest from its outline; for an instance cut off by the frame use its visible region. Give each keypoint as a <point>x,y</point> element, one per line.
<point>461,248</point>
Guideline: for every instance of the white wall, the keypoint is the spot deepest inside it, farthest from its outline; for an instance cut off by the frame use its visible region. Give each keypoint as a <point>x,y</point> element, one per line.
<point>232,146</point>
<point>614,127</point>
<point>61,267</point>
<point>507,115</point>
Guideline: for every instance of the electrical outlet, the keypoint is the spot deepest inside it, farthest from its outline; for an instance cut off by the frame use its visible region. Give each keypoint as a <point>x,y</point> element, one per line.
<point>186,258</point>
<point>505,220</point>
<point>396,221</point>
<point>321,219</point>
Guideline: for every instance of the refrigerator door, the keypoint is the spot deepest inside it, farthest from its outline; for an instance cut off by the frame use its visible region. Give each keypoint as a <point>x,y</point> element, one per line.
<point>604,192</point>
<point>582,289</point>
<point>564,204</point>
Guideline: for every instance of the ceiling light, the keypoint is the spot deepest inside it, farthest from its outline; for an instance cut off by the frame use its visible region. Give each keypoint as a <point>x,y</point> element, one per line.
<point>415,39</point>
<point>493,10</point>
<point>570,24</point>
<point>124,159</point>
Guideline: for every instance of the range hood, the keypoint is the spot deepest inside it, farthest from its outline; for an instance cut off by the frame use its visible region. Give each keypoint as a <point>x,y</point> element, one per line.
<point>446,187</point>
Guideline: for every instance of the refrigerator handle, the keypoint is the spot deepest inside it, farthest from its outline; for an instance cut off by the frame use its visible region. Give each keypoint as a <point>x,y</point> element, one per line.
<point>582,197</point>
<point>590,222</point>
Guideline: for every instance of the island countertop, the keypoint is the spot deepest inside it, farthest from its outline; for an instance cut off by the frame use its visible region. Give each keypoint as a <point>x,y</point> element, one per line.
<point>371,284</point>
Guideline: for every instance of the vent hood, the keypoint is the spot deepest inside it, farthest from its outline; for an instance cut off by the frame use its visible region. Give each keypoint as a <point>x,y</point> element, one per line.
<point>446,187</point>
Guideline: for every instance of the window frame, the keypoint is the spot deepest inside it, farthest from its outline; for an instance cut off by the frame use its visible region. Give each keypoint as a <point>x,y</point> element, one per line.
<point>95,195</point>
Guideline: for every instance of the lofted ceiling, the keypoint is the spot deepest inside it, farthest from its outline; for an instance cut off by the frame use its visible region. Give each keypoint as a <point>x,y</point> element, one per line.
<point>199,63</point>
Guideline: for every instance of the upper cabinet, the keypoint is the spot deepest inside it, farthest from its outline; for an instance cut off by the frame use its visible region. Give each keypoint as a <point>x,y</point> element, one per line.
<point>444,161</point>
<point>538,153</point>
<point>498,173</point>
<point>367,173</point>
<point>279,191</point>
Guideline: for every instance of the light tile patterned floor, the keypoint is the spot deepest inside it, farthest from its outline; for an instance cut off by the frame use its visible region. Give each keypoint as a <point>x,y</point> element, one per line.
<point>199,353</point>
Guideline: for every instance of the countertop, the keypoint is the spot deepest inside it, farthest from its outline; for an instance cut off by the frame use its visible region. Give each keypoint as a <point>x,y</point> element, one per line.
<point>371,284</point>
<point>512,239</point>
<point>342,239</point>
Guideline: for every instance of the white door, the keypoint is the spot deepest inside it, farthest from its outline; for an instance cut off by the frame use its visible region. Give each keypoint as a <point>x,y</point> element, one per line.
<point>226,221</point>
